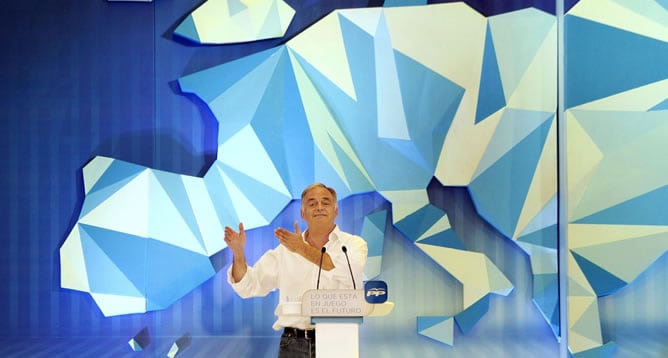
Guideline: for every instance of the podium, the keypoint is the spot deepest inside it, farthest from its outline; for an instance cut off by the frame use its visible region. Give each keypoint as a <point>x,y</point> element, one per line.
<point>337,315</point>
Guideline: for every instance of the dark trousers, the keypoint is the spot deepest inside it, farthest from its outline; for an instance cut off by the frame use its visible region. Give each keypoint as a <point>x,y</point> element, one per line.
<point>296,347</point>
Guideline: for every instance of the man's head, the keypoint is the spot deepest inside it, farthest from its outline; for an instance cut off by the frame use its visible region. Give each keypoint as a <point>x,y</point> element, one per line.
<point>319,205</point>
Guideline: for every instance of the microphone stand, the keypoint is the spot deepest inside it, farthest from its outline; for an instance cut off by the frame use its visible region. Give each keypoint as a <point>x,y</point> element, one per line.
<point>352,277</point>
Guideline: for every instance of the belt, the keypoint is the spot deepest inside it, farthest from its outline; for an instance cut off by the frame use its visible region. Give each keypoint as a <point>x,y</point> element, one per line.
<point>301,333</point>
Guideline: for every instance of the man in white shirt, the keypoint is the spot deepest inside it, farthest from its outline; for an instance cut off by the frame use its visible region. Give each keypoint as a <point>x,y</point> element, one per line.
<point>293,266</point>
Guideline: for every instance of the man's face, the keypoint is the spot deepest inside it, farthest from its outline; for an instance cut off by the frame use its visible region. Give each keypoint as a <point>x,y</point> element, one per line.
<point>319,207</point>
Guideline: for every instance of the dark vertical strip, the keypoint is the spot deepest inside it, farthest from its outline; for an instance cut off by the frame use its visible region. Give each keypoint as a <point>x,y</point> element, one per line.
<point>13,214</point>
<point>50,243</point>
<point>80,114</point>
<point>31,262</point>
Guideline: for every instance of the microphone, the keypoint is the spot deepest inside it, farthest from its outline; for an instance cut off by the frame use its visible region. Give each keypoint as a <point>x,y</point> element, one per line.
<point>345,251</point>
<point>322,253</point>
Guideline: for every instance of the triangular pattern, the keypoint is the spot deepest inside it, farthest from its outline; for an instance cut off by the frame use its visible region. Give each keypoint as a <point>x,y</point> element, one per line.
<point>104,275</point>
<point>373,232</point>
<point>603,282</point>
<point>660,106</point>
<point>640,210</point>
<point>233,21</point>
<point>471,315</point>
<point>587,57</point>
<point>329,87</point>
<point>490,97</point>
<point>626,259</point>
<point>440,328</point>
<point>490,190</point>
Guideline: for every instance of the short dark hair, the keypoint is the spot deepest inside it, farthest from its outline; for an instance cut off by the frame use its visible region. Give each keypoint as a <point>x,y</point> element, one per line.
<point>319,185</point>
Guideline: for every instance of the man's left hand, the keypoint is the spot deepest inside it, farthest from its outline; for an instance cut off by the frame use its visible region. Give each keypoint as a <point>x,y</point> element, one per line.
<point>291,240</point>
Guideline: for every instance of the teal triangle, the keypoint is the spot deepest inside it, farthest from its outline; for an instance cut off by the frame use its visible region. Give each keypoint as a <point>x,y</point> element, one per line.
<point>430,104</point>
<point>663,3</point>
<point>646,209</point>
<point>447,238</point>
<point>603,351</point>
<point>660,106</point>
<point>373,231</point>
<point>546,298</point>
<point>437,328</point>
<point>546,293</point>
<point>424,322</point>
<point>188,30</point>
<point>417,223</point>
<point>499,196</point>
<point>601,281</point>
<point>546,237</point>
<point>546,284</point>
<point>491,96</point>
<point>470,316</point>
<point>603,60</point>
<point>555,321</point>
<point>378,219</point>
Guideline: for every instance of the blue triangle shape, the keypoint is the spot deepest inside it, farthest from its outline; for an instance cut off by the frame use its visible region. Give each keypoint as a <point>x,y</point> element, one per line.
<point>188,30</point>
<point>603,351</point>
<point>118,171</point>
<point>353,174</point>
<point>212,82</point>
<point>419,222</point>
<point>602,281</point>
<point>446,238</point>
<point>660,106</point>
<point>424,322</point>
<point>430,104</point>
<point>546,237</point>
<point>490,97</point>
<point>280,114</point>
<point>176,191</point>
<point>604,60</point>
<point>470,316</point>
<point>646,209</point>
<point>498,196</point>
<point>127,252</point>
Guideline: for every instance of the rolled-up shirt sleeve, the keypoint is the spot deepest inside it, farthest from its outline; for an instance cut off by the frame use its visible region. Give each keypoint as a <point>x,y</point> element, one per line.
<point>260,279</point>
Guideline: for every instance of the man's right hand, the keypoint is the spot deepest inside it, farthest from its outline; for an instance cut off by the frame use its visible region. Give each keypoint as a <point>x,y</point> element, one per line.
<point>236,242</point>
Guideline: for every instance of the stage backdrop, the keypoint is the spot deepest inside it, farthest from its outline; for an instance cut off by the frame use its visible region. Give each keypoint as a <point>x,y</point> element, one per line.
<point>135,131</point>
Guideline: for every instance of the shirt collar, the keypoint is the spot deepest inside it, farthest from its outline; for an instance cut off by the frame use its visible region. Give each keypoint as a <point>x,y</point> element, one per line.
<point>333,236</point>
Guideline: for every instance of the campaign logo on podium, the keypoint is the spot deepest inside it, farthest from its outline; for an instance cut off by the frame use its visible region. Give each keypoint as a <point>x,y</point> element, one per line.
<point>375,291</point>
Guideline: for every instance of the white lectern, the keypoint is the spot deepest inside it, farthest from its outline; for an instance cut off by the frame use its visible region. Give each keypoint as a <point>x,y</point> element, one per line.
<point>337,315</point>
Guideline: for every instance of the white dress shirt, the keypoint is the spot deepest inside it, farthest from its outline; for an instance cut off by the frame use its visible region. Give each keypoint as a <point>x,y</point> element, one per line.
<point>292,275</point>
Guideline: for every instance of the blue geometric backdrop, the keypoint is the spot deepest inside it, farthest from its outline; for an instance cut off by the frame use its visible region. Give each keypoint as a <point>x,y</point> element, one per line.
<point>468,118</point>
